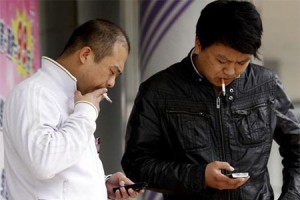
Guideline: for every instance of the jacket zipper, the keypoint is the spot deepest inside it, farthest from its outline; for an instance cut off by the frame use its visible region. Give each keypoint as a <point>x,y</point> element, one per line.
<point>221,127</point>
<point>218,102</point>
<point>218,105</point>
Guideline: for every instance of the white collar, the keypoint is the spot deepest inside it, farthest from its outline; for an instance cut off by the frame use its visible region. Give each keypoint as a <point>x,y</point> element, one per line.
<point>61,76</point>
<point>191,57</point>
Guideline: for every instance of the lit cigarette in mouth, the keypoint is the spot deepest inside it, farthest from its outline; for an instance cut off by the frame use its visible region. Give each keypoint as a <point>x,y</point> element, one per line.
<point>107,98</point>
<point>223,87</point>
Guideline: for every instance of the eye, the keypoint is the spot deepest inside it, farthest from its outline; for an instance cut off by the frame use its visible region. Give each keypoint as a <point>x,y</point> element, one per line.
<point>242,63</point>
<point>115,71</point>
<point>222,61</point>
<point>112,72</point>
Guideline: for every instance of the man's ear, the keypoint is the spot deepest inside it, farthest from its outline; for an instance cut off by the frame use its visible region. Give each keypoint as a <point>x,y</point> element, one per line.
<point>85,54</point>
<point>197,46</point>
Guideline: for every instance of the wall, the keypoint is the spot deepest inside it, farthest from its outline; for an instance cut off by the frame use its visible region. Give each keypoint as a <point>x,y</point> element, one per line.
<point>281,52</point>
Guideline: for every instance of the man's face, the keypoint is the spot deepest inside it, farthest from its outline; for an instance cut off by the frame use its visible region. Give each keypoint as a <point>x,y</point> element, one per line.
<point>104,73</point>
<point>218,62</point>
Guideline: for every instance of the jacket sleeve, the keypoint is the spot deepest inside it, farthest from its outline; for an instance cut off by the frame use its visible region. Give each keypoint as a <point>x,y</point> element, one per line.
<point>47,143</point>
<point>148,154</point>
<point>287,135</point>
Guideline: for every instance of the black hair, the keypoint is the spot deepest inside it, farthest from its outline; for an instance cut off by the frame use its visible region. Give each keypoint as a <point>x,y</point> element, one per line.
<point>100,35</point>
<point>236,24</point>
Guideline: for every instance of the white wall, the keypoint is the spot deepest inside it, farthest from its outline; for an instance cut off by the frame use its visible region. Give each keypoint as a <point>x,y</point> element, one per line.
<point>281,52</point>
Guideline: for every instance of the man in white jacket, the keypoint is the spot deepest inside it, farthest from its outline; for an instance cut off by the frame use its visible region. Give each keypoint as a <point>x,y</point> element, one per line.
<point>49,120</point>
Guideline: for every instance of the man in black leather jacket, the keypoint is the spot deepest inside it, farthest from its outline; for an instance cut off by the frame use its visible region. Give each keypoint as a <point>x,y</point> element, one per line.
<point>186,133</point>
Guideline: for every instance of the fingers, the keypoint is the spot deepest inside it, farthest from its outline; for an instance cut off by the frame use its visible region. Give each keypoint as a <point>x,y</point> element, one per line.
<point>132,193</point>
<point>96,93</point>
<point>120,180</point>
<point>122,193</point>
<point>240,182</point>
<point>126,180</point>
<point>93,97</point>
<point>118,194</point>
<point>224,182</point>
<point>99,92</point>
<point>215,179</point>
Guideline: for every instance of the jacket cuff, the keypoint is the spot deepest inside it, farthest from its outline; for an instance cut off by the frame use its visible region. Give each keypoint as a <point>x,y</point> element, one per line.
<point>197,177</point>
<point>88,108</point>
<point>107,177</point>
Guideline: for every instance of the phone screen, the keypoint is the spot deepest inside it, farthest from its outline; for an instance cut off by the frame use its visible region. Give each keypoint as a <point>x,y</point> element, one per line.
<point>238,175</point>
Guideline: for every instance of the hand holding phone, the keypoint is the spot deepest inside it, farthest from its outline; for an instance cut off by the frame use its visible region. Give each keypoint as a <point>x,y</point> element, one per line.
<point>136,186</point>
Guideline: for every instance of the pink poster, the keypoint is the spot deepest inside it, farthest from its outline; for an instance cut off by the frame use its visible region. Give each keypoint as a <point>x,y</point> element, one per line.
<point>19,52</point>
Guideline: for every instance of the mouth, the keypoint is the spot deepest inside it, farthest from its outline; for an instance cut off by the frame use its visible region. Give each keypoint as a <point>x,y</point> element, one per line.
<point>226,81</point>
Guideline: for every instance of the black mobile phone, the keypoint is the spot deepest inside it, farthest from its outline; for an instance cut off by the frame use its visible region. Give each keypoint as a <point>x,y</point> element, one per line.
<point>136,186</point>
<point>238,175</point>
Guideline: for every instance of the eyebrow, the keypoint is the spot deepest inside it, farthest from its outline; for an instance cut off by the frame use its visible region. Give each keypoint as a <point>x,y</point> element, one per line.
<point>225,58</point>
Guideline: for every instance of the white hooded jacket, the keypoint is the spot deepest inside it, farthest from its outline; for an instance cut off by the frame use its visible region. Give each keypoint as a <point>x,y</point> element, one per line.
<point>50,150</point>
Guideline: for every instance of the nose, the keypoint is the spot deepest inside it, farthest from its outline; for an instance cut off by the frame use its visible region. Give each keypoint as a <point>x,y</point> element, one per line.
<point>111,82</point>
<point>229,70</point>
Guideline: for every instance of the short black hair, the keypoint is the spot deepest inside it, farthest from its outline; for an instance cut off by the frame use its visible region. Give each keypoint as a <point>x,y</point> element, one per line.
<point>98,34</point>
<point>236,24</point>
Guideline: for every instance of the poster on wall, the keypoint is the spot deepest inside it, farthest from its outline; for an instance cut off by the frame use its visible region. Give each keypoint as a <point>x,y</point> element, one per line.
<point>19,54</point>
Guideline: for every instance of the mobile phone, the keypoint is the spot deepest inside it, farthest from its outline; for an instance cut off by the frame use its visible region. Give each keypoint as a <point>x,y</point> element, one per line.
<point>238,175</point>
<point>136,186</point>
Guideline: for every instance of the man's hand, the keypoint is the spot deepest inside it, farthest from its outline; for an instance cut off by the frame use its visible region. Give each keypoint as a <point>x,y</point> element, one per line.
<point>116,180</point>
<point>93,97</point>
<point>215,179</point>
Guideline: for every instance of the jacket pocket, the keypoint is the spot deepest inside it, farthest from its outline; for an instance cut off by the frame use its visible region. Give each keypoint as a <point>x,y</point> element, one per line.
<point>189,128</point>
<point>252,124</point>
<point>257,190</point>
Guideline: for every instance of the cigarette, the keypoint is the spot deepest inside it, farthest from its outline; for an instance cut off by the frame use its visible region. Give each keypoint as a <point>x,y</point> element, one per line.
<point>223,87</point>
<point>107,98</point>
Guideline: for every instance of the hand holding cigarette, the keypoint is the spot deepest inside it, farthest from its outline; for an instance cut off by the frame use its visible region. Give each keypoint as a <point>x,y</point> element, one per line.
<point>93,97</point>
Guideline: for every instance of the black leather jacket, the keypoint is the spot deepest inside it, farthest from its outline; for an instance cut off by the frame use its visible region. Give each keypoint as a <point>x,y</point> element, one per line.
<point>179,124</point>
